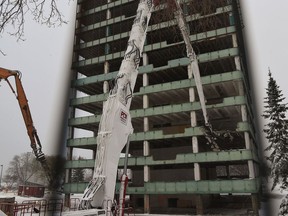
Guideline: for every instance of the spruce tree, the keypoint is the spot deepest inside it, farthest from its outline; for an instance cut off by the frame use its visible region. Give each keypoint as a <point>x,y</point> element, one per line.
<point>276,131</point>
<point>78,175</point>
<point>284,206</point>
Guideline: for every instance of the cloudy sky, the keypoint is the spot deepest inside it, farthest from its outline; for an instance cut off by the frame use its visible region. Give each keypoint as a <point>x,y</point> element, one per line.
<point>267,45</point>
<point>44,59</point>
<point>267,41</point>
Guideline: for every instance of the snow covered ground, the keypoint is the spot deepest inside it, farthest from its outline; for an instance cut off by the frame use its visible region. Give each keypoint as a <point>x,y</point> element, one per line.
<point>19,199</point>
<point>273,202</point>
<point>25,208</point>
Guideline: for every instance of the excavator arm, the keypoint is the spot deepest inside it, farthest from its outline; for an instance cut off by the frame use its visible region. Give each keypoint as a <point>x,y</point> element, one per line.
<point>25,110</point>
<point>209,133</point>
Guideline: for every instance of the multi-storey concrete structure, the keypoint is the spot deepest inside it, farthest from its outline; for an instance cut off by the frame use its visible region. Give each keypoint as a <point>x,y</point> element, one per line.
<point>174,170</point>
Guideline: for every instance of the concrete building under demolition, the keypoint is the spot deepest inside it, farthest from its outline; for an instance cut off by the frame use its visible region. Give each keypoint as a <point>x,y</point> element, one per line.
<point>174,170</point>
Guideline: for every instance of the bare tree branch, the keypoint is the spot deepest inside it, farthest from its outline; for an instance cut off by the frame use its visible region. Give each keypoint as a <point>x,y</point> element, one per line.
<point>13,14</point>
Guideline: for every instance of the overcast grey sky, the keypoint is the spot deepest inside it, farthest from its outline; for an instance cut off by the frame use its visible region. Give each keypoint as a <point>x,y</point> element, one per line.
<point>44,59</point>
<point>265,25</point>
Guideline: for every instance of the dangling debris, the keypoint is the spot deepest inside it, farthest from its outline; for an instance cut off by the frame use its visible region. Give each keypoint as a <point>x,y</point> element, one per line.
<point>211,137</point>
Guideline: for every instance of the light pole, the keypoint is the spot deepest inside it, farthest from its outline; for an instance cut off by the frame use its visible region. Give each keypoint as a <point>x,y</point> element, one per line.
<point>1,175</point>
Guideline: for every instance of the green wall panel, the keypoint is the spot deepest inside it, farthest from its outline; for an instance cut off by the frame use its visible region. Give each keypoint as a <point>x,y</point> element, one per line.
<point>197,187</point>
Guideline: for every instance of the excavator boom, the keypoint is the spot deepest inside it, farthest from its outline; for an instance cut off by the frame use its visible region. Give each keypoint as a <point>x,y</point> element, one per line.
<point>25,110</point>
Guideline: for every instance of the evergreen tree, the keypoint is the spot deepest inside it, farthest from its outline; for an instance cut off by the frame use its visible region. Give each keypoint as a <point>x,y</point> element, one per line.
<point>276,131</point>
<point>78,175</point>
<point>284,206</point>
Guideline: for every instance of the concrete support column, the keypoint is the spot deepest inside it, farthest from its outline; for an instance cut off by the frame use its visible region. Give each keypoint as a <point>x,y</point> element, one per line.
<point>195,147</point>
<point>70,135</point>
<point>199,205</point>
<point>108,32</point>
<point>108,14</point>
<point>197,173</point>
<point>146,146</point>
<point>145,59</point>
<point>69,152</point>
<point>106,71</point>
<point>251,169</point>
<point>68,174</point>
<point>146,152</point>
<point>255,204</point>
<point>248,142</point>
<point>106,63</point>
<point>227,171</point>
<point>236,58</point>
<point>244,115</point>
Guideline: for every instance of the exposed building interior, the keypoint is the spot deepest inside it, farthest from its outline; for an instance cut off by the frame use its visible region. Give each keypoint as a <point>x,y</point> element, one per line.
<point>174,170</point>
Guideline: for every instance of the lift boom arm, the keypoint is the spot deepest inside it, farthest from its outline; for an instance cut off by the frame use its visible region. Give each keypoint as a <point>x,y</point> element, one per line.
<point>25,110</point>
<point>115,124</point>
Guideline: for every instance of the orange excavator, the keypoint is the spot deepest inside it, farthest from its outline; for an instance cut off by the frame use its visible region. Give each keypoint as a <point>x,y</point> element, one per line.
<point>24,107</point>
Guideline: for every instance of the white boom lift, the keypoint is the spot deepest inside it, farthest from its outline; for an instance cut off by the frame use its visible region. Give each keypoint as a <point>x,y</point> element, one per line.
<point>115,124</point>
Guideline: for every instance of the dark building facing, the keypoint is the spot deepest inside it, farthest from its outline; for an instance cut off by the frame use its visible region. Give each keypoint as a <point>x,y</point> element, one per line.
<point>31,190</point>
<point>174,170</point>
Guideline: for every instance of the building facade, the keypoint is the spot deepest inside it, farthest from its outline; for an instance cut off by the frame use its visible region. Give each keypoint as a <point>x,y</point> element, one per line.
<point>173,168</point>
